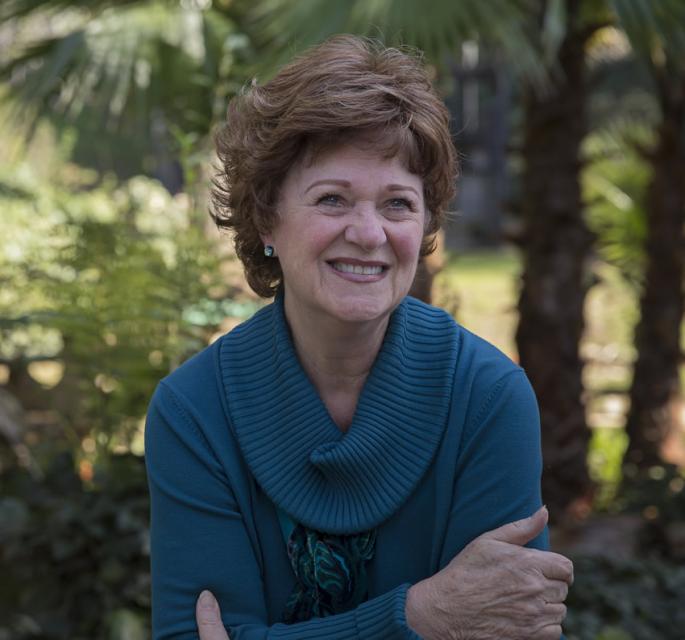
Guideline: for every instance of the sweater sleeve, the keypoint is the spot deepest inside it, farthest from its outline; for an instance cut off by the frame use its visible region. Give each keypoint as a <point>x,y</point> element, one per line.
<point>499,467</point>
<point>199,541</point>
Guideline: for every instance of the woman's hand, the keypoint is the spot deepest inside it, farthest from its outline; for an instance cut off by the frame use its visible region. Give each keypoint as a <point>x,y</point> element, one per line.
<point>208,617</point>
<point>495,588</point>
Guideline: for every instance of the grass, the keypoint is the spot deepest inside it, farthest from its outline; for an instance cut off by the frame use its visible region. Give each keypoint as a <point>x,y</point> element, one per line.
<point>480,290</point>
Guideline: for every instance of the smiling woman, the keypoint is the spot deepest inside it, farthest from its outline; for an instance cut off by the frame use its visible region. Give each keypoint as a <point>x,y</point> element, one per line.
<point>349,229</point>
<point>349,463</point>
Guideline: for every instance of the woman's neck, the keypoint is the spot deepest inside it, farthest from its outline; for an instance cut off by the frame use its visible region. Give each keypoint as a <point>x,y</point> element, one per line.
<point>337,357</point>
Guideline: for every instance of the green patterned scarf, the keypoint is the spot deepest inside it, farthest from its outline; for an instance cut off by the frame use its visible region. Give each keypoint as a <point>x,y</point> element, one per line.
<point>330,571</point>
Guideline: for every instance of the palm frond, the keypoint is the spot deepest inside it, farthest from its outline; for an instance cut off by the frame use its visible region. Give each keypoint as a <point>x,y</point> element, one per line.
<point>124,64</point>
<point>12,9</point>
<point>438,28</point>
<point>653,26</point>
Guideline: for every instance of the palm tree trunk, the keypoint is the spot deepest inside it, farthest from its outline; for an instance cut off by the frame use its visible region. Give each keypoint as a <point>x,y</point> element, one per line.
<point>657,336</point>
<point>555,243</point>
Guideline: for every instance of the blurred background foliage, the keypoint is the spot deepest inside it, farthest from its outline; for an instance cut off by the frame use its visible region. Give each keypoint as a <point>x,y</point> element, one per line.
<point>111,276</point>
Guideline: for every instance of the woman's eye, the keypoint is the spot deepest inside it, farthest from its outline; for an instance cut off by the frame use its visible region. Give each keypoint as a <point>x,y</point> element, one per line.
<point>400,203</point>
<point>332,199</point>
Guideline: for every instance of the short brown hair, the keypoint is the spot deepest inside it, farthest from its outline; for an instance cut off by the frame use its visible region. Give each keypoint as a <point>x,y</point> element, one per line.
<point>334,91</point>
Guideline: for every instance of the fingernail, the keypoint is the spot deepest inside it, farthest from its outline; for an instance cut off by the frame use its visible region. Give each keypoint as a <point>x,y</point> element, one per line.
<point>207,600</point>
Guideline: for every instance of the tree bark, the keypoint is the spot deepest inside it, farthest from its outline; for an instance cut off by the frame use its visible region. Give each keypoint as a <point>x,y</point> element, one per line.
<point>657,336</point>
<point>555,243</point>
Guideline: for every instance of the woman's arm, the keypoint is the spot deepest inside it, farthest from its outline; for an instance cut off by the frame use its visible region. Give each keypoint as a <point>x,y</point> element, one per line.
<point>199,541</point>
<point>491,584</point>
<point>490,580</point>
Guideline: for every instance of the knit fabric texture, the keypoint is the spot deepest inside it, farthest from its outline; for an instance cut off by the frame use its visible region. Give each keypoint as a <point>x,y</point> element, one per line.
<point>340,482</point>
<point>444,446</point>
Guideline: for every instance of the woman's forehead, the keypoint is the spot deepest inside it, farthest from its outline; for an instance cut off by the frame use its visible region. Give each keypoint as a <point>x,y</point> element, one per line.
<point>383,145</point>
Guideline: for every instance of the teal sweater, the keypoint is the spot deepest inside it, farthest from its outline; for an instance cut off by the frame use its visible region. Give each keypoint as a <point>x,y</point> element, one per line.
<point>444,446</point>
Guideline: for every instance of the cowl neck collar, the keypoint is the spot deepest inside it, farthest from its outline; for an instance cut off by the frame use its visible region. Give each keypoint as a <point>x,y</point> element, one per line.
<point>320,476</point>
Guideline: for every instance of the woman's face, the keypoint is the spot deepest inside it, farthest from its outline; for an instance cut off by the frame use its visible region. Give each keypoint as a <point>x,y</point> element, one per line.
<point>349,231</point>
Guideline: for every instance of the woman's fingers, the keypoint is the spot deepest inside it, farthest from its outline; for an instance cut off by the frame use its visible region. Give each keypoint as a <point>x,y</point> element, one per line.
<point>521,531</point>
<point>550,632</point>
<point>553,566</point>
<point>556,591</point>
<point>555,613</point>
<point>208,617</point>
<point>548,625</point>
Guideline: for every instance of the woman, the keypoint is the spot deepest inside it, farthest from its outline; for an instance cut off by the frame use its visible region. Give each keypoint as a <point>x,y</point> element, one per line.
<point>348,463</point>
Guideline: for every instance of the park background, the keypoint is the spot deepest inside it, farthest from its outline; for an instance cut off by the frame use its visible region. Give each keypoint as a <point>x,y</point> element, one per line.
<point>566,250</point>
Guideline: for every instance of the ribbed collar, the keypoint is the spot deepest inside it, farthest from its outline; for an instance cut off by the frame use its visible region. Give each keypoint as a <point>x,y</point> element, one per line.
<point>326,479</point>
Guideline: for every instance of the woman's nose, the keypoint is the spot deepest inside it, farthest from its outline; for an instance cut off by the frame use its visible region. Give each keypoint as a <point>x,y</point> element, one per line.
<point>366,229</point>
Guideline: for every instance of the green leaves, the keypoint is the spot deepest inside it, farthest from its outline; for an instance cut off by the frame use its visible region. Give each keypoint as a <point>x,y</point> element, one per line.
<point>76,563</point>
<point>114,282</point>
<point>135,68</point>
<point>655,28</point>
<point>440,30</point>
<point>614,186</point>
<point>625,600</point>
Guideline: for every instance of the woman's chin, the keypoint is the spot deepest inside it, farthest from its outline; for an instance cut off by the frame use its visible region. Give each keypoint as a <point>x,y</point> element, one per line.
<point>357,310</point>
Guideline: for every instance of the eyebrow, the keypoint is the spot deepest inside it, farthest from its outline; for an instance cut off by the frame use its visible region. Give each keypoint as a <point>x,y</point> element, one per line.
<point>340,183</point>
<point>346,184</point>
<point>403,187</point>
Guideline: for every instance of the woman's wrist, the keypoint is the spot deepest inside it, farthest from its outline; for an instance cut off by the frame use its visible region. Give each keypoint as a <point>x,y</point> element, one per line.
<point>416,609</point>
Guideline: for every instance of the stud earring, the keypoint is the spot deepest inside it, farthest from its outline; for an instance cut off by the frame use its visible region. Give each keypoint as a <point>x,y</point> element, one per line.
<point>268,251</point>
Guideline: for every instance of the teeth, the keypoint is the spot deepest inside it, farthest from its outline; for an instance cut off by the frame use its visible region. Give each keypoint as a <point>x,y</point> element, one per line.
<point>357,268</point>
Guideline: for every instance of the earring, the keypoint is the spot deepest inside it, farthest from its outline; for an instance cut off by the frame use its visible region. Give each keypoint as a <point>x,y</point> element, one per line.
<point>268,250</point>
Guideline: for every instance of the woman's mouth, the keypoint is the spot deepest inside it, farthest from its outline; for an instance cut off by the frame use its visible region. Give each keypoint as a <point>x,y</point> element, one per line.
<point>359,269</point>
